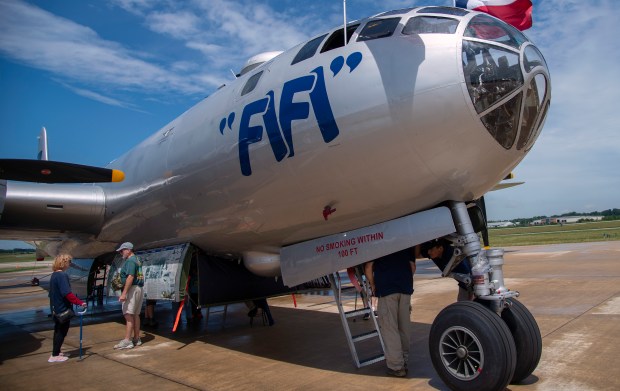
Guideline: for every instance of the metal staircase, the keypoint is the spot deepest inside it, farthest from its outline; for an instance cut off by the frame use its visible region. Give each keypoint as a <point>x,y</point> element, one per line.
<point>362,288</point>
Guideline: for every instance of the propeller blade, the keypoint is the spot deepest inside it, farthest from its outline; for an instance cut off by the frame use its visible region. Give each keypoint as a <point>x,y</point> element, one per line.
<point>485,230</point>
<point>46,171</point>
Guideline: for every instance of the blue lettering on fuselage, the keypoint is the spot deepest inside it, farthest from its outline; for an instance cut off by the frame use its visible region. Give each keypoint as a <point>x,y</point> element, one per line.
<point>279,125</point>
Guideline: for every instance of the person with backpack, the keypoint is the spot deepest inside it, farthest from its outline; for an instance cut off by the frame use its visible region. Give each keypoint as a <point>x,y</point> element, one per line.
<point>132,280</point>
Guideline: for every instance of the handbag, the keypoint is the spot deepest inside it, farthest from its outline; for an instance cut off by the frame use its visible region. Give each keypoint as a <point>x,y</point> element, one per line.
<point>65,316</point>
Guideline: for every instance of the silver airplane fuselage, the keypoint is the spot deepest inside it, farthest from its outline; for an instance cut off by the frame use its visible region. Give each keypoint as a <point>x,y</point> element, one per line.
<point>416,109</point>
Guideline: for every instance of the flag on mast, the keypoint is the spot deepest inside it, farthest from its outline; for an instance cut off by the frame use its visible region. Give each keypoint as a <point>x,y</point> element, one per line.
<point>515,12</point>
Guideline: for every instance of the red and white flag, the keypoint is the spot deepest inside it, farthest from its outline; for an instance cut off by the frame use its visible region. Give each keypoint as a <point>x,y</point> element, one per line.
<point>515,12</point>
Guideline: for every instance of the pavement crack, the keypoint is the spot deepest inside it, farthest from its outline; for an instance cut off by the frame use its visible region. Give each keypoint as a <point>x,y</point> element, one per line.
<point>582,314</point>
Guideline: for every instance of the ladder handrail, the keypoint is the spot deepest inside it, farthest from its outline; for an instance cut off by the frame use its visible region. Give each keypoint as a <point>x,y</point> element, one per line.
<point>336,282</point>
<point>367,298</point>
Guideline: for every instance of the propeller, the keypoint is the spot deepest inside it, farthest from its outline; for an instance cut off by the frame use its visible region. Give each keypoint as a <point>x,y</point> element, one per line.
<point>485,230</point>
<point>480,203</point>
<point>46,171</point>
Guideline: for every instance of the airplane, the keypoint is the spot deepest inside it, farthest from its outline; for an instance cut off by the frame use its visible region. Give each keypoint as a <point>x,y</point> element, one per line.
<point>368,139</point>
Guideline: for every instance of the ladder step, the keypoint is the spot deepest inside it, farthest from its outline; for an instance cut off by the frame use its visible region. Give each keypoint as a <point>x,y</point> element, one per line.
<point>363,311</point>
<point>363,336</point>
<point>372,360</point>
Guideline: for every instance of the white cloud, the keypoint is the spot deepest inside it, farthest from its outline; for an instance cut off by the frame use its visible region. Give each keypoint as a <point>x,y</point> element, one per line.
<point>251,26</point>
<point>99,97</point>
<point>226,34</point>
<point>136,6</point>
<point>207,49</point>
<point>42,40</point>
<point>184,66</point>
<point>95,96</point>
<point>180,25</point>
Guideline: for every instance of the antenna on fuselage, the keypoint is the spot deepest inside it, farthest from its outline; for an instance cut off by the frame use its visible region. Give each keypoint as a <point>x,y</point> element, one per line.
<point>234,74</point>
<point>344,15</point>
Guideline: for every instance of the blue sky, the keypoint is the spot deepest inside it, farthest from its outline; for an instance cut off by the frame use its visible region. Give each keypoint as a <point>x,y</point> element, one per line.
<point>102,76</point>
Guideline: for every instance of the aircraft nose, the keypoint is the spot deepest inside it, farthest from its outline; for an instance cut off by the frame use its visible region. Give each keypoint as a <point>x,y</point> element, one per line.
<point>508,81</point>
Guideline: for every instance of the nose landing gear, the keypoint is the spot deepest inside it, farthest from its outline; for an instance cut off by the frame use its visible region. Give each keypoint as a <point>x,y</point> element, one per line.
<point>489,342</point>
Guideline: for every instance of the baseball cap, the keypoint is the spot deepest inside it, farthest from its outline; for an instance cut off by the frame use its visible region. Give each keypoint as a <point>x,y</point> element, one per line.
<point>126,245</point>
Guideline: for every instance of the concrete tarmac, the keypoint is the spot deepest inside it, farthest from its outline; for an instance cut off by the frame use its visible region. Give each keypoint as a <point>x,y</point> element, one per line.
<point>573,291</point>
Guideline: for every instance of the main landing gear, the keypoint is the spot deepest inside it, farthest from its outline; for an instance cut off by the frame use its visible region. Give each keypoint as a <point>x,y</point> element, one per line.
<point>492,341</point>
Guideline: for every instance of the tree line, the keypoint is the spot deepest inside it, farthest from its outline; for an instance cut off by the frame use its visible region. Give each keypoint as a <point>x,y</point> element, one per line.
<point>17,251</point>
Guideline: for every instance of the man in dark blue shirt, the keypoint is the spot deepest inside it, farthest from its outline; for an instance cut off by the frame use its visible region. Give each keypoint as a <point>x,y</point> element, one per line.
<point>391,280</point>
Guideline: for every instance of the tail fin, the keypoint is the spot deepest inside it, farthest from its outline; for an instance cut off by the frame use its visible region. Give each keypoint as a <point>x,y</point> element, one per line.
<point>42,153</point>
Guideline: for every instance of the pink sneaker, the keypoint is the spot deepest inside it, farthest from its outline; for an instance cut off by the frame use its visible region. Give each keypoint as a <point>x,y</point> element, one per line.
<point>57,359</point>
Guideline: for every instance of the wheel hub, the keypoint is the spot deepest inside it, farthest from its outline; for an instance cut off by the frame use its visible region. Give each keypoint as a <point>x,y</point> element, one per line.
<point>461,353</point>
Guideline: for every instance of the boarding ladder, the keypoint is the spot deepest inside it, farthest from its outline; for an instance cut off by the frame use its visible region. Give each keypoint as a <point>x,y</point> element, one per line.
<point>363,289</point>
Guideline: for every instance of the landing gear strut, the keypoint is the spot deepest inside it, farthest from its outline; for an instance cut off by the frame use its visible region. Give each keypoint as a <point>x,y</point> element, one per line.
<point>492,341</point>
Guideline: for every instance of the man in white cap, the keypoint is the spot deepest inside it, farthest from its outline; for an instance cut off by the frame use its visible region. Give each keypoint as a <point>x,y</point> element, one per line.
<point>131,296</point>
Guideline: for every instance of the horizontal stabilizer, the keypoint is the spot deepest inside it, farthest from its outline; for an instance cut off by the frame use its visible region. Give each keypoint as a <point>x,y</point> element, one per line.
<point>46,171</point>
<point>502,186</point>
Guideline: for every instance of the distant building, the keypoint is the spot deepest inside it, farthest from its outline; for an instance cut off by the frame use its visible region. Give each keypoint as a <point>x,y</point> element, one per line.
<point>565,220</point>
<point>501,224</point>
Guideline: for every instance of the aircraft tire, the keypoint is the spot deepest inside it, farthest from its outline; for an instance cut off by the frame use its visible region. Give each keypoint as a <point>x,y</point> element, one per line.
<point>526,335</point>
<point>471,348</point>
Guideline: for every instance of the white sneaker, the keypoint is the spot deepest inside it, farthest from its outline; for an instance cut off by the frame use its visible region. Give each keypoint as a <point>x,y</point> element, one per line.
<point>137,342</point>
<point>124,344</point>
<point>57,358</point>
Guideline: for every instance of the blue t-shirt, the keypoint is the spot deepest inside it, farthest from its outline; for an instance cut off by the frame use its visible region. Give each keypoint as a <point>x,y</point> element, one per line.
<point>132,267</point>
<point>393,273</point>
<point>442,261</point>
<point>59,289</point>
<point>464,267</point>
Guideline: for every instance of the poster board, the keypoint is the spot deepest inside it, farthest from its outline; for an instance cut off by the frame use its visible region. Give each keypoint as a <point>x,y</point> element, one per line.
<point>78,273</point>
<point>162,268</point>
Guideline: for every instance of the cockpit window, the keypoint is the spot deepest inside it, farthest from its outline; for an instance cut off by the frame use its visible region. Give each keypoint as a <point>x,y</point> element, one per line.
<point>510,93</point>
<point>251,83</point>
<point>308,49</point>
<point>430,25</point>
<point>487,28</point>
<point>397,12</point>
<point>443,10</point>
<point>336,40</point>
<point>534,98</point>
<point>540,123</point>
<point>491,73</point>
<point>532,58</point>
<point>379,28</point>
<point>503,122</point>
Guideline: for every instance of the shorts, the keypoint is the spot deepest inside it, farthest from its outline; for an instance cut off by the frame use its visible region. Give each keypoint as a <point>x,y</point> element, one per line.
<point>133,304</point>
